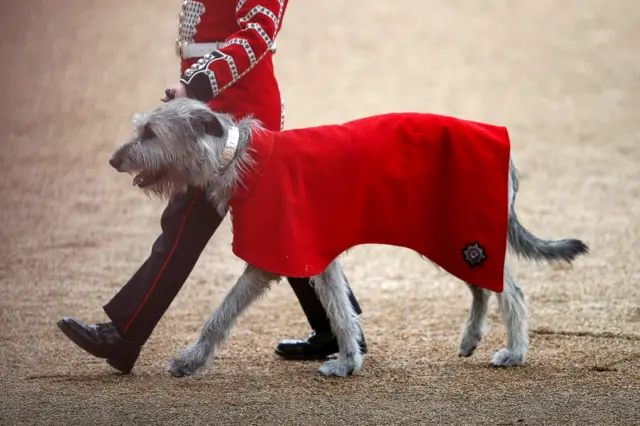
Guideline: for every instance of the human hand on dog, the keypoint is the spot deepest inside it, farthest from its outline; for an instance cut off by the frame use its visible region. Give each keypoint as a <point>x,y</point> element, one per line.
<point>177,91</point>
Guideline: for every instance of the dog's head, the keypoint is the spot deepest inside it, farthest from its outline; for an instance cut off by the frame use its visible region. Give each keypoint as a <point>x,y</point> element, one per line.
<point>177,144</point>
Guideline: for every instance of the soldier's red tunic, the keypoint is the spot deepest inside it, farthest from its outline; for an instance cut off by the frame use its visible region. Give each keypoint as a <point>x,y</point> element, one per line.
<point>239,77</point>
<point>434,184</point>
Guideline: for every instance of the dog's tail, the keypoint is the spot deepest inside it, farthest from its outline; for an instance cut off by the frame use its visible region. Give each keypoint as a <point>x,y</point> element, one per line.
<point>530,247</point>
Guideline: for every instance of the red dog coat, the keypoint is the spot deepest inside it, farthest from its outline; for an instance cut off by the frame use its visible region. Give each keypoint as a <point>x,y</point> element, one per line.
<point>434,184</point>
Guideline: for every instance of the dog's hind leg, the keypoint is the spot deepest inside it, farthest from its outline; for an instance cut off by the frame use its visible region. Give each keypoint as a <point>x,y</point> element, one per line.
<point>332,289</point>
<point>250,286</point>
<point>474,328</point>
<point>514,315</point>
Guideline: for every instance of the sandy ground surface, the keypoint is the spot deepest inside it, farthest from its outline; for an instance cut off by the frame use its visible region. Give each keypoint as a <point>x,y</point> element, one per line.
<point>563,76</point>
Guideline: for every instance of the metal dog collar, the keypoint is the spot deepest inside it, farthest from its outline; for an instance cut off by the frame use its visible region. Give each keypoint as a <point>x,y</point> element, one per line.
<point>230,147</point>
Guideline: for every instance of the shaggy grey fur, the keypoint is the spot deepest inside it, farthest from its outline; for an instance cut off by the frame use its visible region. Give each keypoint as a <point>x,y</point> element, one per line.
<point>179,144</point>
<point>182,141</point>
<point>252,284</point>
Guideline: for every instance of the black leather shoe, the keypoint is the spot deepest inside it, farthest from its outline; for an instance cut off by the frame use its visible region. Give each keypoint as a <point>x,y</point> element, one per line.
<point>102,341</point>
<point>316,346</point>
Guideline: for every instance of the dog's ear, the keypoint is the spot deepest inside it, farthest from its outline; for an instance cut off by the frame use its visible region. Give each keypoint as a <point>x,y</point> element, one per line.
<point>213,126</point>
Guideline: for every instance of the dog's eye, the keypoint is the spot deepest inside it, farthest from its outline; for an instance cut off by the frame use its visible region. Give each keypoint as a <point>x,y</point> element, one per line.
<point>147,133</point>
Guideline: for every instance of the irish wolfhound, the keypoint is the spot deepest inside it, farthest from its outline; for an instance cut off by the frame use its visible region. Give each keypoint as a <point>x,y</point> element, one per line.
<point>183,143</point>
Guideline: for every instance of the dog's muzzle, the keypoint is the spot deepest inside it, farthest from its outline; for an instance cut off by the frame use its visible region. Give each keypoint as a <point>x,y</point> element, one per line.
<point>116,163</point>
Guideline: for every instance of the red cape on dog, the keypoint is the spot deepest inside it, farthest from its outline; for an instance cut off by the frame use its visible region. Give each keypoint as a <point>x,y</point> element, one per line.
<point>434,184</point>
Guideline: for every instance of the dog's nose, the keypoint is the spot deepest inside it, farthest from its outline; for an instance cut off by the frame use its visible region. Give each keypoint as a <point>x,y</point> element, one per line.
<point>115,163</point>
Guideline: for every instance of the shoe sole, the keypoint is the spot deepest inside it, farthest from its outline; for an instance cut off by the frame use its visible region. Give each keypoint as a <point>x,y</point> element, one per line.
<point>124,368</point>
<point>291,357</point>
<point>68,330</point>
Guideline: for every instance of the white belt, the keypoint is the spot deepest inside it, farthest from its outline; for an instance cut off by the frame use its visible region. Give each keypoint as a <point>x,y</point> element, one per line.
<point>186,50</point>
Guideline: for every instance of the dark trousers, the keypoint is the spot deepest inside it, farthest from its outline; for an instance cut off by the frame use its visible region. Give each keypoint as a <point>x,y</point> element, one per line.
<point>188,223</point>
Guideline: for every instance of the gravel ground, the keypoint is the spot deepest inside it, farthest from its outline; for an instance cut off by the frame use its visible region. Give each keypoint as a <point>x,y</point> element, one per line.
<point>564,77</point>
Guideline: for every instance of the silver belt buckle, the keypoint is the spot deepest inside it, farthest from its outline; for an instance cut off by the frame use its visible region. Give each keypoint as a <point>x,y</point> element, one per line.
<point>179,48</point>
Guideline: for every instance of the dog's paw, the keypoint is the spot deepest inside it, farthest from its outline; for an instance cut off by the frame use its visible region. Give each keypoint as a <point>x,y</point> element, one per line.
<point>468,344</point>
<point>342,367</point>
<point>180,367</point>
<point>187,363</point>
<point>507,358</point>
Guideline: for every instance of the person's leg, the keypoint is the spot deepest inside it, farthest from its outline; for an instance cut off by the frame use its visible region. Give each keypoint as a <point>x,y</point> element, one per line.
<point>310,303</point>
<point>188,223</point>
<point>322,342</point>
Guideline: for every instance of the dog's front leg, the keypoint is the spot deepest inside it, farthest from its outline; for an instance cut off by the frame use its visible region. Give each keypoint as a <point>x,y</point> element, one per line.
<point>332,289</point>
<point>251,285</point>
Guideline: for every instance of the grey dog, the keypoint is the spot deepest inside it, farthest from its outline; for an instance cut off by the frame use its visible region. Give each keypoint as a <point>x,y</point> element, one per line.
<point>184,143</point>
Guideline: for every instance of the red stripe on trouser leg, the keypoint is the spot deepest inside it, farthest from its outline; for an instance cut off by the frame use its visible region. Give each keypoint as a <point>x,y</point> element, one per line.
<point>164,265</point>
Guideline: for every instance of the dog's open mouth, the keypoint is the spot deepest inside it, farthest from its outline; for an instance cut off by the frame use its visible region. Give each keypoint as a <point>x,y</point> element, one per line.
<point>143,179</point>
